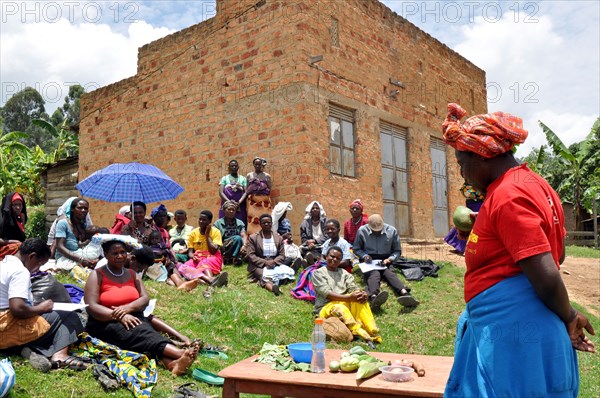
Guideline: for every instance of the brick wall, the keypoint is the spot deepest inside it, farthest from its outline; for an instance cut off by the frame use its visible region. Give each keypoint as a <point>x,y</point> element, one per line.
<point>243,86</point>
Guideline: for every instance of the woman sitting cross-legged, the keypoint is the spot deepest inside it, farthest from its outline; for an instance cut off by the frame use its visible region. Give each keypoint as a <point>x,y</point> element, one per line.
<point>116,299</point>
<point>38,331</point>
<point>338,296</point>
<point>265,257</point>
<point>205,260</point>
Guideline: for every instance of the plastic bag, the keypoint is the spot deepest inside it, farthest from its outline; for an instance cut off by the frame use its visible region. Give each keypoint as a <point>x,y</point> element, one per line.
<point>44,286</point>
<point>7,377</point>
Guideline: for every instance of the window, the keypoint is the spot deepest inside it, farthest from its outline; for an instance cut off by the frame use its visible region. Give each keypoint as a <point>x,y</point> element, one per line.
<point>341,141</point>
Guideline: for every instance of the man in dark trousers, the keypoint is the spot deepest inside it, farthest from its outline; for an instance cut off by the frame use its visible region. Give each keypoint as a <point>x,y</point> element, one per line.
<point>380,241</point>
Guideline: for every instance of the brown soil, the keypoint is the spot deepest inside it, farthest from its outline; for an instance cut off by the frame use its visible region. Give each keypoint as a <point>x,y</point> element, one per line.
<point>581,275</point>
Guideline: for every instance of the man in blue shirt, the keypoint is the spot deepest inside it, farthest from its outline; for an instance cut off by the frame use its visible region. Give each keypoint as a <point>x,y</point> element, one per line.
<point>380,241</point>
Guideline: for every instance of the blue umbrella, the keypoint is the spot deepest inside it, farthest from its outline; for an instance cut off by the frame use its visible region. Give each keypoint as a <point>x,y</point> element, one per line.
<point>128,182</point>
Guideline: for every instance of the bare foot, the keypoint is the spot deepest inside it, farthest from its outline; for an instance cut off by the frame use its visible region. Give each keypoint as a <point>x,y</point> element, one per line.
<point>180,366</point>
<point>189,285</point>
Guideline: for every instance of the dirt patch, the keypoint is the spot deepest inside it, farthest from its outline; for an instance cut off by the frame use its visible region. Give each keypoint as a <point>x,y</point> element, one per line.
<point>581,275</point>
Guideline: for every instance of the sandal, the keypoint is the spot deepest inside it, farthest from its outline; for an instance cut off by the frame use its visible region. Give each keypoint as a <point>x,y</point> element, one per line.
<point>106,379</point>
<point>189,390</point>
<point>207,377</point>
<point>214,354</point>
<point>70,362</point>
<point>208,292</point>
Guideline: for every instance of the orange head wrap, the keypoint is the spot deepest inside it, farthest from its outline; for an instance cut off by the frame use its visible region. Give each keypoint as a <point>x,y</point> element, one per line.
<point>486,135</point>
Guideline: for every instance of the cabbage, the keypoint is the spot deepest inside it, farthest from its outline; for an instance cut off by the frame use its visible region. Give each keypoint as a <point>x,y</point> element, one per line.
<point>349,364</point>
<point>462,218</point>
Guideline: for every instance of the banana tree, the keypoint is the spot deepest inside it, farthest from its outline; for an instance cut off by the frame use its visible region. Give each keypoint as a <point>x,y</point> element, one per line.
<point>11,149</point>
<point>577,160</point>
<point>67,142</point>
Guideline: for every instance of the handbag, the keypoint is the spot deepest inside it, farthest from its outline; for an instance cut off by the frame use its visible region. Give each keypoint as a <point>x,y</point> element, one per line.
<point>7,377</point>
<point>16,331</point>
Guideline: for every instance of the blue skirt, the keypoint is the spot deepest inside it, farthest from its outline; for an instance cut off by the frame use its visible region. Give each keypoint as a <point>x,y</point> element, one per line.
<point>509,344</point>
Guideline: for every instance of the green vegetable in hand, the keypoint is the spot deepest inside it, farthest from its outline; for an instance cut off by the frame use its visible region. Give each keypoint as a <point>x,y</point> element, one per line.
<point>349,364</point>
<point>369,369</point>
<point>462,218</point>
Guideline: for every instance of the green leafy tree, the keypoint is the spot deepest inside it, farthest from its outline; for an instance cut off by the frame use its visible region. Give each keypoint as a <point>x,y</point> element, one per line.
<point>21,109</point>
<point>581,159</point>
<point>67,141</point>
<point>71,107</point>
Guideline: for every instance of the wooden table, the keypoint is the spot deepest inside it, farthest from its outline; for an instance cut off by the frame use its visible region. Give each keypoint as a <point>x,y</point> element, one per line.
<point>257,378</point>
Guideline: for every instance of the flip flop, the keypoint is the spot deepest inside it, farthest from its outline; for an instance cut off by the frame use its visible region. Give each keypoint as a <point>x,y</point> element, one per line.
<point>189,390</point>
<point>207,377</point>
<point>213,354</point>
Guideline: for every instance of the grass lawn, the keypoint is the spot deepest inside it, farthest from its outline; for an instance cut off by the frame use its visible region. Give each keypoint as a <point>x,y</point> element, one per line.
<point>242,317</point>
<point>580,251</point>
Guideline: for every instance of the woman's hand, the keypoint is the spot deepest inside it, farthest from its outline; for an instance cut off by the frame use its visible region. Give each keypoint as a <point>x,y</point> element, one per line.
<point>88,263</point>
<point>359,296</point>
<point>130,321</point>
<point>578,338</point>
<point>270,264</point>
<point>119,312</point>
<point>45,306</point>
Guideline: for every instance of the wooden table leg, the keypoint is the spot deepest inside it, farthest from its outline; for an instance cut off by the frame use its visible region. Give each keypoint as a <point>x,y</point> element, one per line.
<point>229,390</point>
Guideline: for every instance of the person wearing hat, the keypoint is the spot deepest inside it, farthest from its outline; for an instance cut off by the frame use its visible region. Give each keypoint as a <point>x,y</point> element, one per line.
<point>380,241</point>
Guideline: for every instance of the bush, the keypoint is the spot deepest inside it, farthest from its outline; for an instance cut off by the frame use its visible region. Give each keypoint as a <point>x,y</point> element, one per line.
<point>36,223</point>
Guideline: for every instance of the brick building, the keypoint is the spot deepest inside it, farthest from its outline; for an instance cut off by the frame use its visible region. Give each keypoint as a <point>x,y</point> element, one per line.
<point>344,98</point>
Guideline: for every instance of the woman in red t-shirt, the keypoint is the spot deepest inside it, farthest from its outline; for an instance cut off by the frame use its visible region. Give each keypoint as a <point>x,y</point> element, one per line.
<point>116,299</point>
<point>518,311</point>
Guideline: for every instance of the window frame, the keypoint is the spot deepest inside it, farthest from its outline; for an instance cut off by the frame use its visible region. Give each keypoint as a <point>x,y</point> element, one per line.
<point>340,115</point>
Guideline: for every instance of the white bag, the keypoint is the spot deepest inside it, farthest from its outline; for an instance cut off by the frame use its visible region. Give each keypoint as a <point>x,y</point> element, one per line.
<point>7,377</point>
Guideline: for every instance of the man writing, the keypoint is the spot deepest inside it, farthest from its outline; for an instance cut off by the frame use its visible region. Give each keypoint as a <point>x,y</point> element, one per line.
<point>380,241</point>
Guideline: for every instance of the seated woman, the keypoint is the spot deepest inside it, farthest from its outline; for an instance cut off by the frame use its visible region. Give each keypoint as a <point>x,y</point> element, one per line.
<point>13,216</point>
<point>312,232</point>
<point>179,235</point>
<point>122,218</point>
<point>232,187</point>
<point>265,256</point>
<point>358,219</point>
<point>42,333</point>
<point>138,228</point>
<point>233,232</point>
<point>338,295</point>
<point>71,236</point>
<point>205,260</point>
<point>116,299</point>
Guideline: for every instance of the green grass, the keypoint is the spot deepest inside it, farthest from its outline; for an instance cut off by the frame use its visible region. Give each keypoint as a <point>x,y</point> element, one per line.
<point>581,251</point>
<point>242,317</point>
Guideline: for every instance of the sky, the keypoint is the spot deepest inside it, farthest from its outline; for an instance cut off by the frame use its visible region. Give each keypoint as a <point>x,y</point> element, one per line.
<point>541,58</point>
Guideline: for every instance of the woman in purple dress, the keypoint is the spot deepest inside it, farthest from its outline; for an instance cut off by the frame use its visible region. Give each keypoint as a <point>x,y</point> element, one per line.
<point>233,187</point>
<point>474,201</point>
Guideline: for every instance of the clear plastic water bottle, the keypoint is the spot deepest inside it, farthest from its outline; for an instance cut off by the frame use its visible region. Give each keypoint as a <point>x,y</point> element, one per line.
<point>317,364</point>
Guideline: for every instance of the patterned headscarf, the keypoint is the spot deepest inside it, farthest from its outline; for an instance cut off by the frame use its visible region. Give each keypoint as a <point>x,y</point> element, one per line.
<point>158,208</point>
<point>486,135</point>
<point>230,203</point>
<point>356,203</point>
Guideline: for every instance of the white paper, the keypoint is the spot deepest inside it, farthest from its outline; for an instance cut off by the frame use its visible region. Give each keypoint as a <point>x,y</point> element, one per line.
<point>374,265</point>
<point>68,306</point>
<point>150,308</point>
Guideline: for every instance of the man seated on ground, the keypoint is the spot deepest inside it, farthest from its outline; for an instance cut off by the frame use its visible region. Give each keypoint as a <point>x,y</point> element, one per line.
<point>332,230</point>
<point>380,241</point>
<point>233,234</point>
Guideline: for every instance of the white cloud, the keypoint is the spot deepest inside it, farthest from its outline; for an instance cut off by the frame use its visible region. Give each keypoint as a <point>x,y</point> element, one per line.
<point>51,56</point>
<point>539,71</point>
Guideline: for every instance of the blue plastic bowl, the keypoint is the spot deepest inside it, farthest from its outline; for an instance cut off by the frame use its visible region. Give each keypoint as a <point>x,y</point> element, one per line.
<point>300,352</point>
